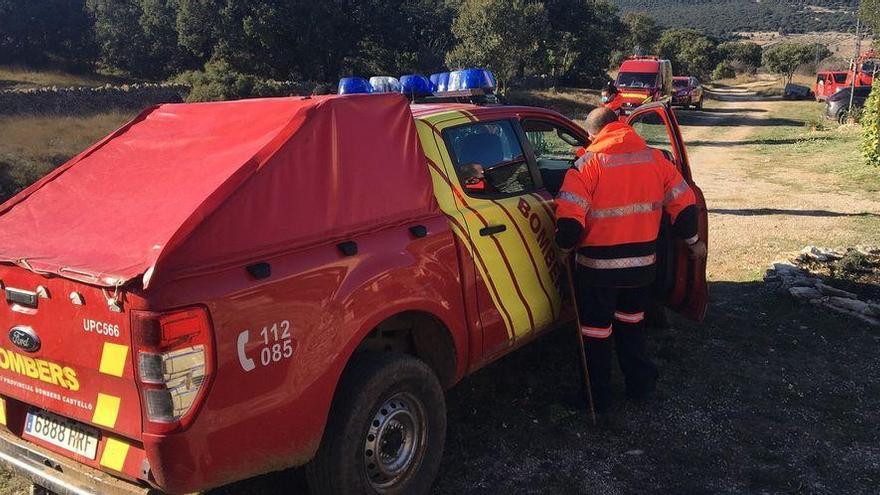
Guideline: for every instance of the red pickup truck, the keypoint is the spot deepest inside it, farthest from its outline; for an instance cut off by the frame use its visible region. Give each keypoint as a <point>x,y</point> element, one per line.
<point>220,290</point>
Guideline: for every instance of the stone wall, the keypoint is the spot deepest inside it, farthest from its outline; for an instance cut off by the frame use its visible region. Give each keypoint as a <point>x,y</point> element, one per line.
<point>84,100</point>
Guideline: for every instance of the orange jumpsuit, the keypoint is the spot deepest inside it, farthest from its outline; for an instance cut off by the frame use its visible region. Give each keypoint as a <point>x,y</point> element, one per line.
<point>610,208</point>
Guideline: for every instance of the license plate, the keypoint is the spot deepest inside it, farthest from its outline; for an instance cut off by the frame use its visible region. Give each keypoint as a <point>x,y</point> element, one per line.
<point>62,432</point>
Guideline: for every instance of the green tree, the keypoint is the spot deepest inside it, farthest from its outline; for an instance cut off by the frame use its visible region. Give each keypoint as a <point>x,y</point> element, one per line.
<point>138,37</point>
<point>36,32</point>
<point>870,121</point>
<point>504,35</point>
<point>785,58</point>
<point>724,70</point>
<point>579,53</point>
<point>869,11</point>
<point>643,32</point>
<point>402,36</point>
<point>743,56</point>
<point>690,52</point>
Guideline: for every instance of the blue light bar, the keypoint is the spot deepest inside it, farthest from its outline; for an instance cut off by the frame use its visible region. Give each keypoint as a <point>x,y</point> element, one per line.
<point>440,81</point>
<point>415,85</point>
<point>354,85</point>
<point>460,80</point>
<point>385,84</point>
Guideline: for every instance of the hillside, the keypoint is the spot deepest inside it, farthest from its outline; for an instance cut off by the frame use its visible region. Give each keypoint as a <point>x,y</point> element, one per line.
<point>722,17</point>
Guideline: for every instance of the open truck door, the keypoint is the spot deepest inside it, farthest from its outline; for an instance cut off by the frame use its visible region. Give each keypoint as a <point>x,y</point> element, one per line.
<point>681,280</point>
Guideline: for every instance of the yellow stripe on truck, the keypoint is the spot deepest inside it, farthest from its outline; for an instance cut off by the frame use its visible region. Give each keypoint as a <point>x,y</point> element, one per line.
<point>2,411</point>
<point>113,359</point>
<point>114,454</point>
<point>106,410</point>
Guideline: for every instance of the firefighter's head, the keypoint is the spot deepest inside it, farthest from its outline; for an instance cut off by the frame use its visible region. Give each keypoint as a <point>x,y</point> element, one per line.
<point>598,119</point>
<point>608,92</point>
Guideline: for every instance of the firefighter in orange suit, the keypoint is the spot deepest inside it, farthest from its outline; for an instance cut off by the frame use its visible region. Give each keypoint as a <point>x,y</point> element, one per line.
<point>609,208</point>
<point>611,98</point>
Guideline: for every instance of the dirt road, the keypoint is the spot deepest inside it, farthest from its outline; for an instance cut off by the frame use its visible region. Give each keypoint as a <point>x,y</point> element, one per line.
<point>756,213</point>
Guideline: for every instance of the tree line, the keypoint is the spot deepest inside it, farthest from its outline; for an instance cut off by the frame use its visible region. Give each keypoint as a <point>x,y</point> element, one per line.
<point>719,17</point>
<point>225,48</point>
<point>306,40</point>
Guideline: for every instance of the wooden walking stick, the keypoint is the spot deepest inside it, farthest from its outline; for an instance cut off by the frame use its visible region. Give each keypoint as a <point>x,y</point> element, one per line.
<point>580,339</point>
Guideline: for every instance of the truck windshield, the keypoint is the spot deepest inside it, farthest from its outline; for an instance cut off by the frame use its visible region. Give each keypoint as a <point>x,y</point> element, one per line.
<point>679,83</point>
<point>637,79</point>
<point>840,78</point>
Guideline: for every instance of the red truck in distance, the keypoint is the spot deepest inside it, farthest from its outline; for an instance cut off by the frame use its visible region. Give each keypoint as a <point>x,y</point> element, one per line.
<point>220,290</point>
<point>828,83</point>
<point>643,79</point>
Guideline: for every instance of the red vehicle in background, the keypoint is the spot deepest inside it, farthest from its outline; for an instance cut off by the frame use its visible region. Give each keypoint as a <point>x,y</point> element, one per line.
<point>863,69</point>
<point>643,79</point>
<point>828,83</point>
<point>688,92</point>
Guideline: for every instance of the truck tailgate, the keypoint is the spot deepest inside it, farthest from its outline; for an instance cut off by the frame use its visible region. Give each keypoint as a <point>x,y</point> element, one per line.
<point>65,355</point>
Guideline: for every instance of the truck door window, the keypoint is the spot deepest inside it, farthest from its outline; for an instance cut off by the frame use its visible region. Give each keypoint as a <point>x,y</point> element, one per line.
<point>489,159</point>
<point>554,148</point>
<point>654,131</point>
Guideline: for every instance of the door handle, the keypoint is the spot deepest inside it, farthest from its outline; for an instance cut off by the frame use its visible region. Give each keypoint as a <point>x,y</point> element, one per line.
<point>492,230</point>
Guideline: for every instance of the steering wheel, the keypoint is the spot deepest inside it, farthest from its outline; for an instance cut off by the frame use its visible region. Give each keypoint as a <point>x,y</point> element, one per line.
<point>519,159</point>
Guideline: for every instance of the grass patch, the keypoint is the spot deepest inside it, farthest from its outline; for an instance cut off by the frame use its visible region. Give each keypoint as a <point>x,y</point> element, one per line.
<point>804,141</point>
<point>575,103</point>
<point>32,146</point>
<point>13,77</point>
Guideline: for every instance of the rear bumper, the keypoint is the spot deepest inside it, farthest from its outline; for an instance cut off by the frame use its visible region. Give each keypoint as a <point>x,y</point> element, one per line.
<point>60,475</point>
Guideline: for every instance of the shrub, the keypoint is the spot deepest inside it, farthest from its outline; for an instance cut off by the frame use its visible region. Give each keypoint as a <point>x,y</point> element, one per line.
<point>870,120</point>
<point>724,70</point>
<point>219,81</point>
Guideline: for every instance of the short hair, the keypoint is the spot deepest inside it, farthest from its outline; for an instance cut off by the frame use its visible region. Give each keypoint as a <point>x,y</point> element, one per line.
<point>599,118</point>
<point>610,88</point>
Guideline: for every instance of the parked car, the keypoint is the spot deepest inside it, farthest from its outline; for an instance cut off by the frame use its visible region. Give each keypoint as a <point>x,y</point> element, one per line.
<point>828,83</point>
<point>643,79</point>
<point>221,290</point>
<point>687,92</point>
<point>837,105</point>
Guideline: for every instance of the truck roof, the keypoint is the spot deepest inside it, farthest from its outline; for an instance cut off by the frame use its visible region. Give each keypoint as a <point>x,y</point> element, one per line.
<point>189,185</point>
<point>640,65</point>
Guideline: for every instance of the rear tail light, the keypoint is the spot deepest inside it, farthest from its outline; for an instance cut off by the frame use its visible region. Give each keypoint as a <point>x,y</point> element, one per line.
<point>175,364</point>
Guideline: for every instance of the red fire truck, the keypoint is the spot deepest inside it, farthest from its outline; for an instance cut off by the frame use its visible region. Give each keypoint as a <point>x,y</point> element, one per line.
<point>643,79</point>
<point>220,290</point>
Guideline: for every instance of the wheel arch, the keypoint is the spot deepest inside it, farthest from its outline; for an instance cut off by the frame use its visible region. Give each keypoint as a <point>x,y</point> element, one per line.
<point>418,333</point>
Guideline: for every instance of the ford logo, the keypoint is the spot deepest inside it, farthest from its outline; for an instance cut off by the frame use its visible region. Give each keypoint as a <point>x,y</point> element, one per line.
<point>24,338</point>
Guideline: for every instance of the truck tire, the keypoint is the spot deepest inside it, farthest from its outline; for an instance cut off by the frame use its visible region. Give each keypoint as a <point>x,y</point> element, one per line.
<point>699,105</point>
<point>386,429</point>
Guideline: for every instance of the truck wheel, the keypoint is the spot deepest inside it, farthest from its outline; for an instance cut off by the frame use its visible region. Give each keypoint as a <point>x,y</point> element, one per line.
<point>699,105</point>
<point>386,429</point>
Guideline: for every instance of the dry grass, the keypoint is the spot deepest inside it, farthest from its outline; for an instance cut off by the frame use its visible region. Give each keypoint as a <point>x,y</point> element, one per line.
<point>13,77</point>
<point>32,146</point>
<point>572,102</point>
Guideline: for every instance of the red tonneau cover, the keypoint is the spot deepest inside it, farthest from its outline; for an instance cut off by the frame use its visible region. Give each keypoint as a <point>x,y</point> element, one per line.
<point>187,185</point>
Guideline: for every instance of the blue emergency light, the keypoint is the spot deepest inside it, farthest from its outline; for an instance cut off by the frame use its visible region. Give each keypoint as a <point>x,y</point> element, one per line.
<point>415,85</point>
<point>440,81</point>
<point>354,85</point>
<point>465,79</point>
<point>385,84</point>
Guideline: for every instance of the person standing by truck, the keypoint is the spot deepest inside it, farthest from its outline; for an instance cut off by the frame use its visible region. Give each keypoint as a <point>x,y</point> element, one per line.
<point>609,208</point>
<point>611,98</point>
